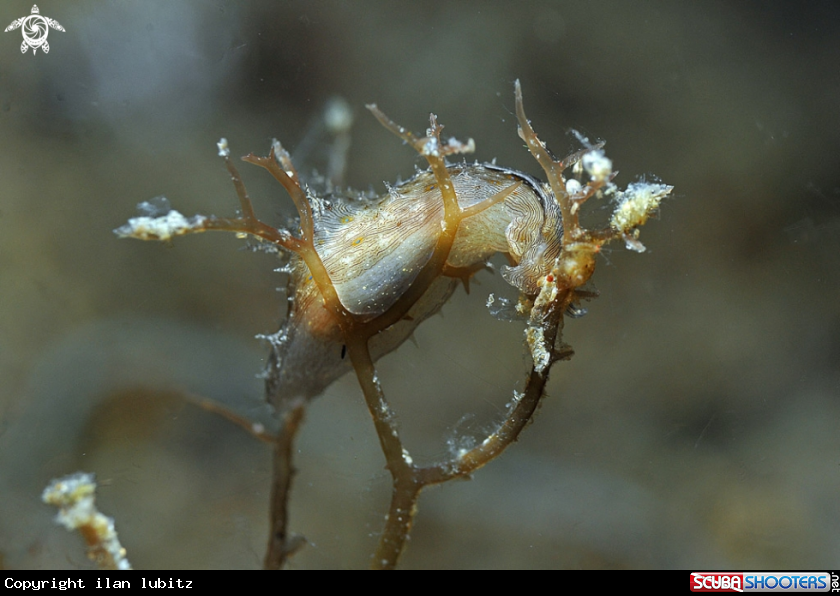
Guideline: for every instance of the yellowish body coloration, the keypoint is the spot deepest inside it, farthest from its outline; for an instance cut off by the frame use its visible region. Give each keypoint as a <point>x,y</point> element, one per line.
<point>373,250</point>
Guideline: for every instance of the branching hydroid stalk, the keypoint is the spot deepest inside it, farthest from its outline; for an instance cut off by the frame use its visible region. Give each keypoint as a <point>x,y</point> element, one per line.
<point>365,274</point>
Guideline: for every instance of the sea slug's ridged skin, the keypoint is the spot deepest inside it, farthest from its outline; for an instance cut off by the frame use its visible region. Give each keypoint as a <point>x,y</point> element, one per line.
<point>373,251</point>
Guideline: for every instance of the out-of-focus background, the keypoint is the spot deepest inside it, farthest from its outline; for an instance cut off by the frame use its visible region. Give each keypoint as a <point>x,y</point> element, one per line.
<point>697,425</point>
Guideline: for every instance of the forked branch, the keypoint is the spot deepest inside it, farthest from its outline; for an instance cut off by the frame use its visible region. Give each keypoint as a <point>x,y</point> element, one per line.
<point>558,288</point>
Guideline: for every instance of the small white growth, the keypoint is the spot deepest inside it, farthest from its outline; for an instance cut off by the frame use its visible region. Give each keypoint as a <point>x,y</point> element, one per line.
<point>458,147</point>
<point>501,308</point>
<point>459,446</point>
<point>431,147</point>
<point>597,165</point>
<point>548,289</point>
<point>536,342</point>
<point>160,228</point>
<point>318,205</point>
<point>338,116</point>
<point>636,204</point>
<point>278,148</point>
<point>406,457</point>
<point>74,496</point>
<point>275,339</point>
<point>633,244</point>
<point>224,151</point>
<point>573,187</point>
<point>517,397</point>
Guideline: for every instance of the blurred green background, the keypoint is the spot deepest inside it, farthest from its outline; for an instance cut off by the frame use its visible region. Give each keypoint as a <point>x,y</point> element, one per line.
<point>697,425</point>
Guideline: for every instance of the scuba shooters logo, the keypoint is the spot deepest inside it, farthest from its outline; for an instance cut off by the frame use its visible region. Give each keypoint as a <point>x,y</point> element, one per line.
<point>35,29</point>
<point>758,581</point>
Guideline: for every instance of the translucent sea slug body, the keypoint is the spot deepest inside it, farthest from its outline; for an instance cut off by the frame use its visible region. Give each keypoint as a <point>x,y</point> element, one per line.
<point>370,271</point>
<point>374,249</point>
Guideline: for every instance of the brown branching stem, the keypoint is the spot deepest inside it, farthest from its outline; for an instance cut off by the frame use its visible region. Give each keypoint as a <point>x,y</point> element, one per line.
<point>558,290</point>
<point>408,478</point>
<point>280,544</point>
